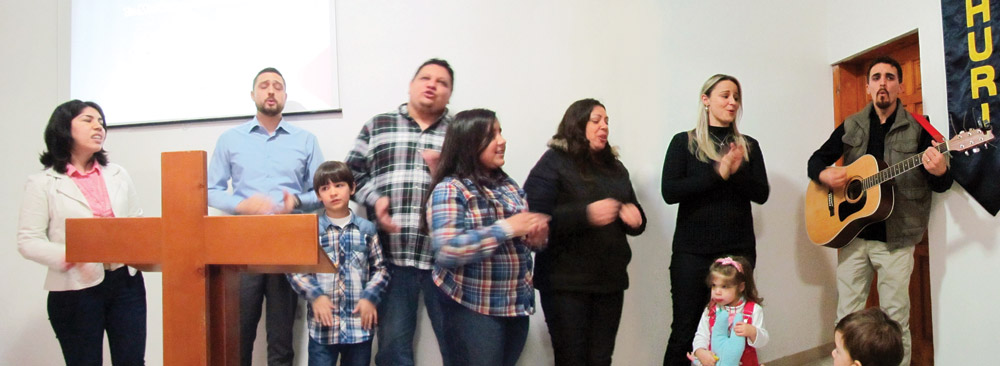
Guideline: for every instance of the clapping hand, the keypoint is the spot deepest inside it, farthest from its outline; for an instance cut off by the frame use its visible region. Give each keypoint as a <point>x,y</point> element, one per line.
<point>603,212</point>
<point>257,204</point>
<point>539,236</point>
<point>530,224</point>
<point>630,215</point>
<point>731,161</point>
<point>288,203</point>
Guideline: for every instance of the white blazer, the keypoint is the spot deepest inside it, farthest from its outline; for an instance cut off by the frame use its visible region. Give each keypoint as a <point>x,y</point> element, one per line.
<point>49,199</point>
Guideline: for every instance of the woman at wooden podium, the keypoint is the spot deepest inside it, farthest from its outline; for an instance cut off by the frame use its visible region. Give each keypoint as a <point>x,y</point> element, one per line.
<point>86,300</point>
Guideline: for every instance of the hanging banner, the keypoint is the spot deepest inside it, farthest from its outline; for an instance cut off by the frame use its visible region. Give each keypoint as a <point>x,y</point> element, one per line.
<point>972,62</point>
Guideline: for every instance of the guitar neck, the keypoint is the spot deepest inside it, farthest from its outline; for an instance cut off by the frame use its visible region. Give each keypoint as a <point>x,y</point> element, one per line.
<point>901,167</point>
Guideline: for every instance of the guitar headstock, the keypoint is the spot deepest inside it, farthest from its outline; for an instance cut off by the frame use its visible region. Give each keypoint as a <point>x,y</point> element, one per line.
<point>970,139</point>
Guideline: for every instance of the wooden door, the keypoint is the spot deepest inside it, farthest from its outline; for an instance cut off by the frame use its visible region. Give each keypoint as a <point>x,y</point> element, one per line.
<point>850,96</point>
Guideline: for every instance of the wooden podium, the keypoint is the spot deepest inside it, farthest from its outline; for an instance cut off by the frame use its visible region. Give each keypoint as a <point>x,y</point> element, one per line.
<point>201,258</point>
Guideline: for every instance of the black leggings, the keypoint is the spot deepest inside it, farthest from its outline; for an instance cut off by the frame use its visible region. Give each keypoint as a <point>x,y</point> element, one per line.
<point>583,326</point>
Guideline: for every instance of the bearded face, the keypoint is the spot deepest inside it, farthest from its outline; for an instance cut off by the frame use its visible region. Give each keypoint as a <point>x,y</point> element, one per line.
<point>269,94</point>
<point>884,85</point>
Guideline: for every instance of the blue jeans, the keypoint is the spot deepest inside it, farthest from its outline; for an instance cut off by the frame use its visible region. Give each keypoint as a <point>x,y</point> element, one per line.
<point>476,339</point>
<point>117,306</point>
<point>397,315</point>
<point>357,354</point>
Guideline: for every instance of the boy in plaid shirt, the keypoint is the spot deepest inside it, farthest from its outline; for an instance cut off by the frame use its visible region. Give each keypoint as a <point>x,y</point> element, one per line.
<point>342,312</point>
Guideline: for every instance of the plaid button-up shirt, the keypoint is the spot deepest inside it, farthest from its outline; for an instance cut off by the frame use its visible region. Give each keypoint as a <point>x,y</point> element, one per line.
<point>478,262</point>
<point>361,275</point>
<point>387,161</point>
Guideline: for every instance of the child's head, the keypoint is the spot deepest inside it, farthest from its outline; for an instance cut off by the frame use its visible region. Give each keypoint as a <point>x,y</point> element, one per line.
<point>868,338</point>
<point>730,278</point>
<point>334,185</point>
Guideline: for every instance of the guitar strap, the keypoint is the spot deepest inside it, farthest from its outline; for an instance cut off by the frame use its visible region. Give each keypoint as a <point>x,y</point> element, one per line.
<point>927,127</point>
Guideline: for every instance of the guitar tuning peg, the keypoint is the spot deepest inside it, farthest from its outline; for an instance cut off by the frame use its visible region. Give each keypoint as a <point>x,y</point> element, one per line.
<point>975,150</point>
<point>966,153</point>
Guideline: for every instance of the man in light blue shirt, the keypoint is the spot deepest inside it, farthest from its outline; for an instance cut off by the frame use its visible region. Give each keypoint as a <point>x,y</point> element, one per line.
<point>271,165</point>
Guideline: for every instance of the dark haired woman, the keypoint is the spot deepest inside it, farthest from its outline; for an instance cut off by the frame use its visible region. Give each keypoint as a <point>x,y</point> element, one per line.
<point>582,273</point>
<point>85,299</point>
<point>713,172</point>
<point>483,237</point>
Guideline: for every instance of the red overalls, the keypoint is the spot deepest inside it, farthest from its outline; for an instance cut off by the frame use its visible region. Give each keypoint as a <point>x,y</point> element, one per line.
<point>749,357</point>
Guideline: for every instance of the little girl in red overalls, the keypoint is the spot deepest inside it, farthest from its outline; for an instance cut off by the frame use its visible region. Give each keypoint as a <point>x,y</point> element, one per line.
<point>732,326</point>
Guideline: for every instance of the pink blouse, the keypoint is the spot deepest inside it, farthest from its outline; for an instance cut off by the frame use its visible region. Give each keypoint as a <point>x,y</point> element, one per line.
<point>95,190</point>
<point>92,185</point>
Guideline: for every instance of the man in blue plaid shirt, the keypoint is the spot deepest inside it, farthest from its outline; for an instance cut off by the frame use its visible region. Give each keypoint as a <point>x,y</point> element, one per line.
<point>391,161</point>
<point>342,312</point>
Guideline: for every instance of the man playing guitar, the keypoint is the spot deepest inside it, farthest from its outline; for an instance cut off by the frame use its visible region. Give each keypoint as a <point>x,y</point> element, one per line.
<point>889,133</point>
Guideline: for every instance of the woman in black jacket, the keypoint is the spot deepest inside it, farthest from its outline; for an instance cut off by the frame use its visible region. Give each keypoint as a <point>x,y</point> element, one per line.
<point>713,172</point>
<point>582,275</point>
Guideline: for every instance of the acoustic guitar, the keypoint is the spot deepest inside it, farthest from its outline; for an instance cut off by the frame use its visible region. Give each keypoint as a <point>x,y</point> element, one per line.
<point>835,216</point>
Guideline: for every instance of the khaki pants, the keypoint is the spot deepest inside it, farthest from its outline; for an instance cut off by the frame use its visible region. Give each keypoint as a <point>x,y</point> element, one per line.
<point>857,263</point>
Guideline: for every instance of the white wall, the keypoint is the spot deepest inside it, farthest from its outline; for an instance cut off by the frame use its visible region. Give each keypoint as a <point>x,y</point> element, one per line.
<point>645,59</point>
<point>28,30</point>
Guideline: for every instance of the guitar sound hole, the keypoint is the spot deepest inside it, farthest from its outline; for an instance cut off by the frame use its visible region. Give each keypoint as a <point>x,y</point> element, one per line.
<point>854,190</point>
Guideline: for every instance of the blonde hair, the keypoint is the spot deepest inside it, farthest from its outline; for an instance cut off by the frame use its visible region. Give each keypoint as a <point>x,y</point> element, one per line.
<point>700,142</point>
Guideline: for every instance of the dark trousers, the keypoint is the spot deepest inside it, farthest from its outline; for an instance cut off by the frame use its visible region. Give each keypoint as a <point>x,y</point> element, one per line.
<point>356,354</point>
<point>476,339</point>
<point>281,306</point>
<point>397,315</point>
<point>583,326</point>
<point>117,306</point>
<point>690,293</point>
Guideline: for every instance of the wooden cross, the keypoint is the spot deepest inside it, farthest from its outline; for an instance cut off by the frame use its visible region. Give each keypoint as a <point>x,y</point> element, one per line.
<point>200,257</point>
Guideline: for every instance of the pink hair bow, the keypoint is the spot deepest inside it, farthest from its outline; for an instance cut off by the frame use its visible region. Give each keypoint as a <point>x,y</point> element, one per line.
<point>728,261</point>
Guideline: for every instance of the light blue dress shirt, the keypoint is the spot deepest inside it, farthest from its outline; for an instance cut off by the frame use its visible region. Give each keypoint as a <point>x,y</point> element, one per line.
<point>266,164</point>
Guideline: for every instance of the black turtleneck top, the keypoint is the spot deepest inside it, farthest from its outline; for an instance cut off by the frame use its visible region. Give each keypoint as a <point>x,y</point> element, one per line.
<point>714,215</point>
